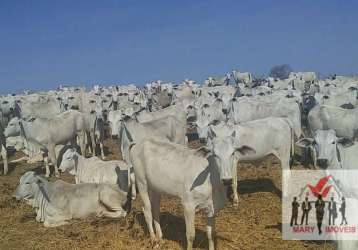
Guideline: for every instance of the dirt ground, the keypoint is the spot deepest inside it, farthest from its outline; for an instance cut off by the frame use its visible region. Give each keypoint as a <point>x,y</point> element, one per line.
<point>255,224</point>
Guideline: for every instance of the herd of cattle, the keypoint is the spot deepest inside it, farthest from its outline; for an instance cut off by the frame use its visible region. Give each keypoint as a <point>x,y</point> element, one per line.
<point>237,118</point>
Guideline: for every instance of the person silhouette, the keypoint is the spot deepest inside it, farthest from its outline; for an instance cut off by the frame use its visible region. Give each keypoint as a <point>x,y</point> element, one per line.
<point>319,205</point>
<point>306,207</point>
<point>342,209</point>
<point>294,215</point>
<point>332,211</point>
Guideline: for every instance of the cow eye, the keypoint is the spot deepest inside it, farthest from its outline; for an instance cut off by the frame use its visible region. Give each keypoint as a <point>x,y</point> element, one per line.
<point>104,101</point>
<point>334,142</point>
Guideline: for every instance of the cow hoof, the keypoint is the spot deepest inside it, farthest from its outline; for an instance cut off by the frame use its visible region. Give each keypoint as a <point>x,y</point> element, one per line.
<point>47,175</point>
<point>155,242</point>
<point>235,204</point>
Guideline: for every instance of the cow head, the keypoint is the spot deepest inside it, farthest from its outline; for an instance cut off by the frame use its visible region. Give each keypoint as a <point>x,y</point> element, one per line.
<point>226,152</point>
<point>7,105</point>
<point>326,147</point>
<point>27,187</point>
<point>69,161</point>
<point>13,128</point>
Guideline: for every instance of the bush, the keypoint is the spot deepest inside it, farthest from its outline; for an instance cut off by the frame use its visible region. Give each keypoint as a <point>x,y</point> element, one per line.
<point>280,71</point>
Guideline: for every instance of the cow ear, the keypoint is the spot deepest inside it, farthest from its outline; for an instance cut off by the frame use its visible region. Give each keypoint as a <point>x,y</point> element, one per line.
<point>304,142</point>
<point>245,150</point>
<point>345,142</point>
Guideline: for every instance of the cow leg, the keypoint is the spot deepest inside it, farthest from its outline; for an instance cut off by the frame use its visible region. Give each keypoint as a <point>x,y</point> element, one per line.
<point>93,143</point>
<point>52,155</point>
<point>155,202</point>
<point>133,187</point>
<point>112,202</point>
<point>4,158</point>
<point>82,142</point>
<point>102,151</point>
<point>189,214</point>
<point>285,165</point>
<point>210,231</point>
<point>234,188</point>
<point>47,174</point>
<point>147,209</point>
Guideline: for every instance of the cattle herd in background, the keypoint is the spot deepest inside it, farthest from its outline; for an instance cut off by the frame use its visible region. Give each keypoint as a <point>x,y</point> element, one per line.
<point>235,117</point>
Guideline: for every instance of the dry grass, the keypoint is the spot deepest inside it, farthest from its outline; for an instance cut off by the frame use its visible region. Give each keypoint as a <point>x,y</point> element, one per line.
<point>256,224</point>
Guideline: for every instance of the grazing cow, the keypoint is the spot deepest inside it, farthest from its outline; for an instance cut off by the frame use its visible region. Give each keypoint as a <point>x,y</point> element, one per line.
<point>330,152</point>
<point>245,109</point>
<point>94,170</point>
<point>173,169</point>
<point>47,133</point>
<point>242,77</point>
<point>343,121</point>
<point>266,136</point>
<point>3,151</point>
<point>58,202</point>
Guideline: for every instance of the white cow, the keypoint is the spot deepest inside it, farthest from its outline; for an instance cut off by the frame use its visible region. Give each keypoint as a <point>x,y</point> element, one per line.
<point>173,169</point>
<point>58,202</point>
<point>343,121</point>
<point>3,151</point>
<point>47,133</point>
<point>242,77</point>
<point>266,136</point>
<point>94,170</point>
<point>245,109</point>
<point>331,152</point>
<point>218,81</point>
<point>303,76</point>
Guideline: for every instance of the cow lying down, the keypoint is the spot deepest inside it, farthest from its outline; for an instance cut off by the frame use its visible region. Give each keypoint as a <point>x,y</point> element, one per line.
<point>94,170</point>
<point>58,202</point>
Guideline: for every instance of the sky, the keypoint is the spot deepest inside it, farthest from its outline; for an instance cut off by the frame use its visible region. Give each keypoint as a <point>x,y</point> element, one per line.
<point>46,43</point>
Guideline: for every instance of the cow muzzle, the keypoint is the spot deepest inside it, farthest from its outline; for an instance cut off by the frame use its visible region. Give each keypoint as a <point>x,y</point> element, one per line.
<point>322,163</point>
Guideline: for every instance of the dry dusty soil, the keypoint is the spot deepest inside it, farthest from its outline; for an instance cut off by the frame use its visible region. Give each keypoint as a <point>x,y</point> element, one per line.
<point>255,224</point>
